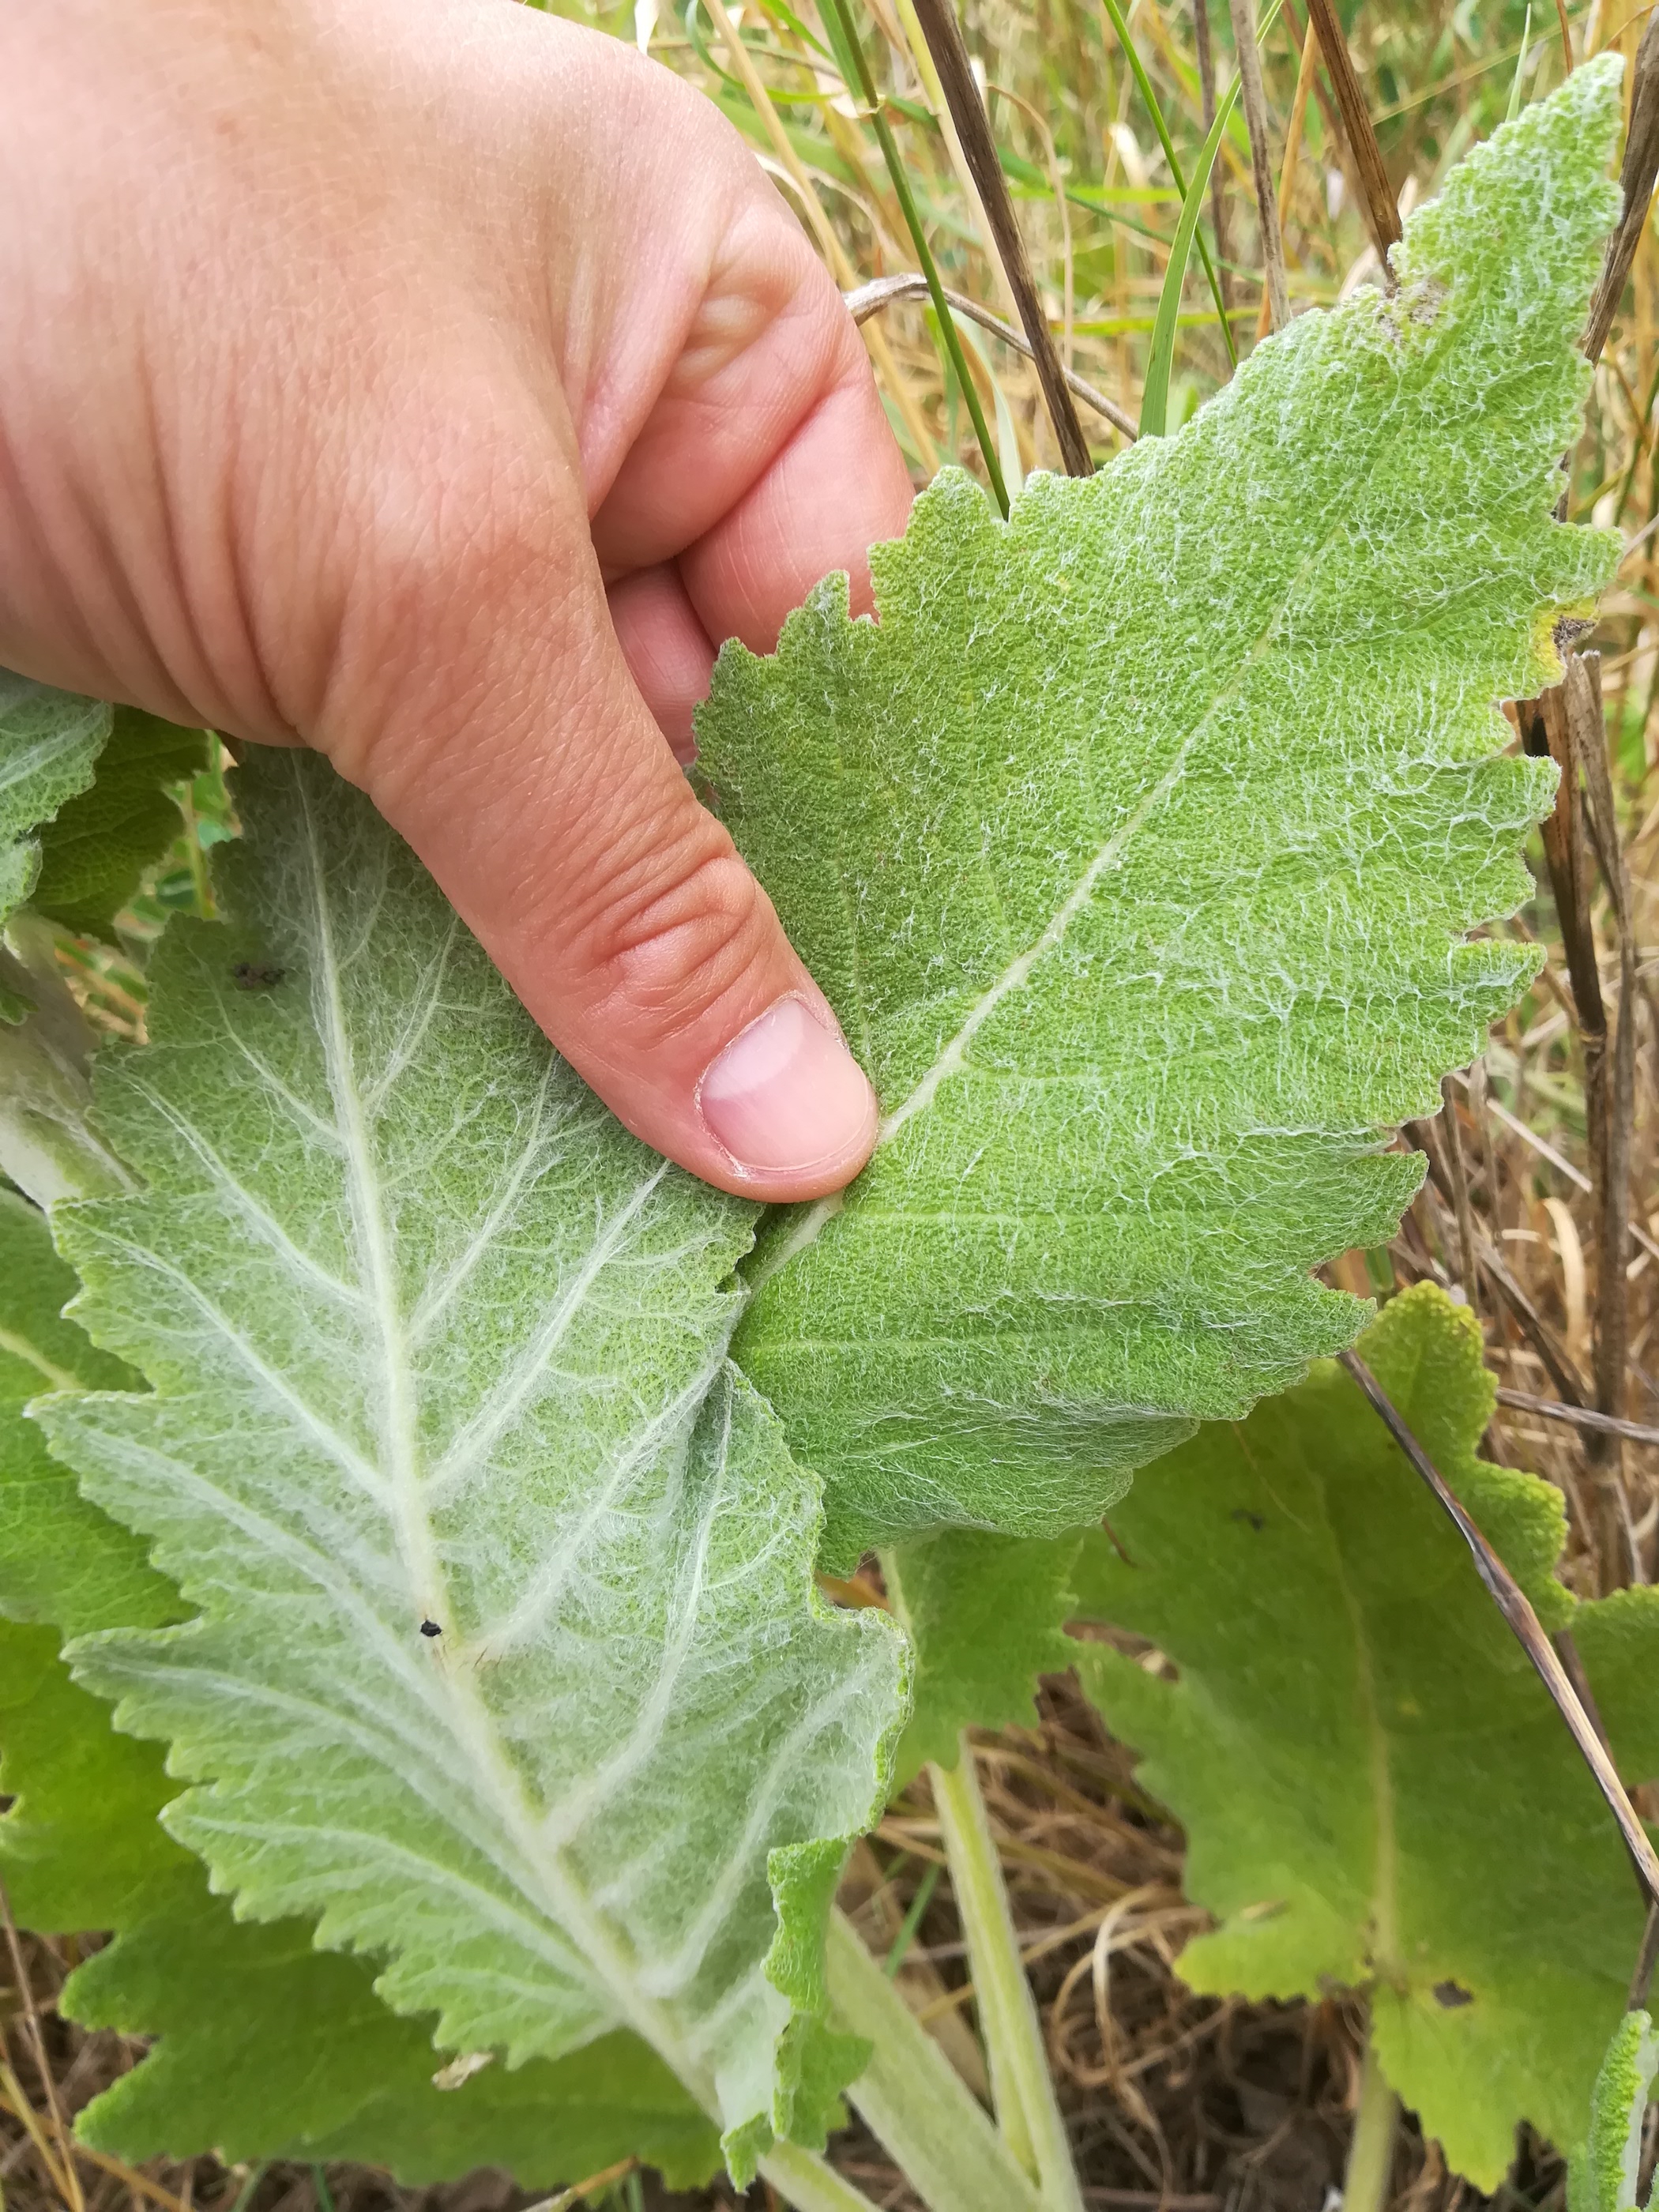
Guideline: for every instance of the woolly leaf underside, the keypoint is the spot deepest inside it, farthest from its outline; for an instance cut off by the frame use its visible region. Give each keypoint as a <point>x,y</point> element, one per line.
<point>434,1344</point>
<point>268,2048</point>
<point>1135,847</point>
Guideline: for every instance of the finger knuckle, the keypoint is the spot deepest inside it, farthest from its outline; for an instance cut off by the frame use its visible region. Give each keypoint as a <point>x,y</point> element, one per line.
<point>686,942</point>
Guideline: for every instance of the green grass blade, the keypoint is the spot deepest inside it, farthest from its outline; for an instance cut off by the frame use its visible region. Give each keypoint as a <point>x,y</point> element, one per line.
<point>1155,394</point>
<point>1514,108</point>
<point>1144,82</point>
<point>855,72</point>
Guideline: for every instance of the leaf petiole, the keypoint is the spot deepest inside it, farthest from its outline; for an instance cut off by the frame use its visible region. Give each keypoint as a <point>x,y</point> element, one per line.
<point>1370,2153</point>
<point>914,2099</point>
<point>1020,2080</point>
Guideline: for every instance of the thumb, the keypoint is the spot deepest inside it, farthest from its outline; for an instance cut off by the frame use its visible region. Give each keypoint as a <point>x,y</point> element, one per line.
<point>539,790</point>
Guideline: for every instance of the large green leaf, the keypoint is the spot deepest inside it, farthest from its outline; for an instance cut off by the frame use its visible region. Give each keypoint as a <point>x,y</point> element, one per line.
<point>49,744</point>
<point>269,2048</point>
<point>1136,846</point>
<point>436,1346</point>
<point>93,854</point>
<point>1376,1789</point>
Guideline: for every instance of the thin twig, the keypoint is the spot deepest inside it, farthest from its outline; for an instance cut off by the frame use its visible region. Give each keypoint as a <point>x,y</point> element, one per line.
<point>129,2175</point>
<point>943,32</point>
<point>1512,1602</point>
<point>134,2180</point>
<point>1255,120</point>
<point>1579,1417</point>
<point>1460,1187</point>
<point>1217,189</point>
<point>1583,690</point>
<point>910,285</point>
<point>48,2083</point>
<point>1293,134</point>
<point>1646,1959</point>
<point>13,2101</point>
<point>1641,167</point>
<point>581,2190</point>
<point>1565,723</point>
<point>1382,209</point>
<point>1150,2200</point>
<point>1575,1177</point>
<point>1558,1361</point>
<point>1337,137</point>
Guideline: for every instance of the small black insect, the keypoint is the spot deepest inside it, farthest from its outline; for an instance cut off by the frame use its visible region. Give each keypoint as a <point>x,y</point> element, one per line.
<point>1452,1993</point>
<point>1243,1513</point>
<point>431,1628</point>
<point>256,976</point>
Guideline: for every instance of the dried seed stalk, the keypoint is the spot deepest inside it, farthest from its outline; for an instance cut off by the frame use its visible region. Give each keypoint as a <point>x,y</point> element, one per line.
<point>1377,196</point>
<point>1255,119</point>
<point>944,43</point>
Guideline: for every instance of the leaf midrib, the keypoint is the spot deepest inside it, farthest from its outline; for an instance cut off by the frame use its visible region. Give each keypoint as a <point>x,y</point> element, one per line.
<point>950,1060</point>
<point>616,1982</point>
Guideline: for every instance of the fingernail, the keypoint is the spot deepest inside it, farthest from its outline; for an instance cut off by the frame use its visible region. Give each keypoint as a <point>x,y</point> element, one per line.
<point>785,1093</point>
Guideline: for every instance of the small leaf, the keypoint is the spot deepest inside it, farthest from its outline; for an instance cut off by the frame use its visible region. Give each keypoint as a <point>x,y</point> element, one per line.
<point>48,1145</point>
<point>986,1616</point>
<point>93,854</point>
<point>49,744</point>
<point>62,1561</point>
<point>1135,847</point>
<point>1377,1791</point>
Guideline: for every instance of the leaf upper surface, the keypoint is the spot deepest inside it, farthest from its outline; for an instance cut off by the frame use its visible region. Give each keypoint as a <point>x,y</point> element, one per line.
<point>49,743</point>
<point>434,1342</point>
<point>95,852</point>
<point>1136,846</point>
<point>1377,1791</point>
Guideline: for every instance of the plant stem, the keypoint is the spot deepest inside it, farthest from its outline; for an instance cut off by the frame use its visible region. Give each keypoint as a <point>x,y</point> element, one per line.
<point>808,2182</point>
<point>943,34</point>
<point>1020,2081</point>
<point>1371,2154</point>
<point>913,2098</point>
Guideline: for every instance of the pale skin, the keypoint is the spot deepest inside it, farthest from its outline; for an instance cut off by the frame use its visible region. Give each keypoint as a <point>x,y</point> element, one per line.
<point>435,383</point>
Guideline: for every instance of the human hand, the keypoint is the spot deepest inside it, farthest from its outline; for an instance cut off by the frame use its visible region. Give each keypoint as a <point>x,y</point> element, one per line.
<point>430,381</point>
